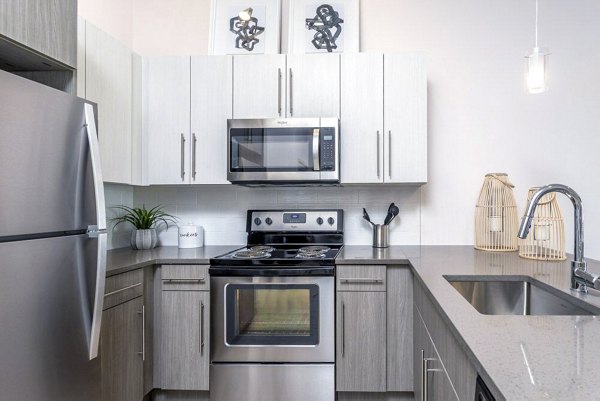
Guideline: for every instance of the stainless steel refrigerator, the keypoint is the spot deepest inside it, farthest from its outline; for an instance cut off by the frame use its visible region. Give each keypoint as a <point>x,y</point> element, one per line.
<point>52,244</point>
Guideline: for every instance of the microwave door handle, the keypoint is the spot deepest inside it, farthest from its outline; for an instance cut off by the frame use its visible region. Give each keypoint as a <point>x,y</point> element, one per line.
<point>315,148</point>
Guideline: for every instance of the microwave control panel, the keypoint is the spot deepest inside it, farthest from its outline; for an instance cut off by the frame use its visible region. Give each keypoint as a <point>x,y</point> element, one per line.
<point>327,151</point>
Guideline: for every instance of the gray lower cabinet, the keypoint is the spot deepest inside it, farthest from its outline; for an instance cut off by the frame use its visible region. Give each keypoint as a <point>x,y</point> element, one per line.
<point>432,381</point>
<point>374,328</point>
<point>46,26</point>
<point>448,354</point>
<point>122,352</point>
<point>361,342</point>
<point>184,328</point>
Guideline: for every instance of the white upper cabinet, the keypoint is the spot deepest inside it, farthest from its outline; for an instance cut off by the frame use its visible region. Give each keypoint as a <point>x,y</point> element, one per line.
<point>259,86</point>
<point>107,72</point>
<point>166,119</point>
<point>211,106</point>
<point>313,85</point>
<point>405,119</point>
<point>361,130</point>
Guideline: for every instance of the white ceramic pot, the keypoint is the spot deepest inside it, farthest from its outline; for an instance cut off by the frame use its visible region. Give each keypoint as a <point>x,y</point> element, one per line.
<point>144,239</point>
<point>190,236</point>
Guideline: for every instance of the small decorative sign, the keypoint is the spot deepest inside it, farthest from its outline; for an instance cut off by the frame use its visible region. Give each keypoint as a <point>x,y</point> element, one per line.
<point>190,236</point>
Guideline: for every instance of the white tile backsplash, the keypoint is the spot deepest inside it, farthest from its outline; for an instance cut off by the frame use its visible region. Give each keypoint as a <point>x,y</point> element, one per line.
<point>221,210</point>
<point>117,195</point>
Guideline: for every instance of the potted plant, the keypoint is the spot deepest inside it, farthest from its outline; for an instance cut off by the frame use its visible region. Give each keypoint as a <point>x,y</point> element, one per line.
<point>145,221</point>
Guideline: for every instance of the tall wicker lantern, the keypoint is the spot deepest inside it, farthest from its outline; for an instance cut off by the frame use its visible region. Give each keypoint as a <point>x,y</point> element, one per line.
<point>496,221</point>
<point>546,240</point>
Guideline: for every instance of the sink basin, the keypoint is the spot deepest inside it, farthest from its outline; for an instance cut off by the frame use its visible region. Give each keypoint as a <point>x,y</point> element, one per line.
<point>493,295</point>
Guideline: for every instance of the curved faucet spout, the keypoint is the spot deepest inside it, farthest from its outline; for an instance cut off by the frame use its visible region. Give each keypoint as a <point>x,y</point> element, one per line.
<point>579,267</point>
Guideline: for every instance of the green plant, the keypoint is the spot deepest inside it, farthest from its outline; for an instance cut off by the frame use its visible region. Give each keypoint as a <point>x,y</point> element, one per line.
<point>142,218</point>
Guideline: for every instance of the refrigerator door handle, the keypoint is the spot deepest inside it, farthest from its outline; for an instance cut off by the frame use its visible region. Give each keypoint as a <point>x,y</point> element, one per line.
<point>98,306</point>
<point>92,135</point>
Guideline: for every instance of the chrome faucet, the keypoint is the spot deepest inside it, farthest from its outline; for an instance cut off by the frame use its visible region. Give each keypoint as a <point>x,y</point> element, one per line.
<point>580,277</point>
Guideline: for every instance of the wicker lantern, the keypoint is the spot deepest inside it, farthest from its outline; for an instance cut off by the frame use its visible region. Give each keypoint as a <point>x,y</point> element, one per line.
<point>546,240</point>
<point>496,221</point>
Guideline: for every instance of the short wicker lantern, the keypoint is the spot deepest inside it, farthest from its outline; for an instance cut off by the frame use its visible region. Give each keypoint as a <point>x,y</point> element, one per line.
<point>496,221</point>
<point>546,240</point>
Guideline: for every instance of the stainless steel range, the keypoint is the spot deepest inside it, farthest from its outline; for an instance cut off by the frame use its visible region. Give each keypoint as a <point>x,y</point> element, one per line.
<point>273,309</point>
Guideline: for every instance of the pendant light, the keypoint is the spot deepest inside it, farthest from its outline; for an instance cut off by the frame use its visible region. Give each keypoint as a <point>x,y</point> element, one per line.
<point>536,65</point>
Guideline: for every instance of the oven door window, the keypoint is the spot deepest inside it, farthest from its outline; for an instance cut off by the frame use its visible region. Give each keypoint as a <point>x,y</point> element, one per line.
<point>271,149</point>
<point>272,314</point>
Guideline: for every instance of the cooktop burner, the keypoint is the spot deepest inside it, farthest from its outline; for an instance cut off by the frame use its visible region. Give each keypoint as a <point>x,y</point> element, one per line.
<point>262,248</point>
<point>250,254</point>
<point>314,249</point>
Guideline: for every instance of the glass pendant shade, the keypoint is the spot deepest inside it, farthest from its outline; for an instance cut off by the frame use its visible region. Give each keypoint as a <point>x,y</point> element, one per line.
<point>536,74</point>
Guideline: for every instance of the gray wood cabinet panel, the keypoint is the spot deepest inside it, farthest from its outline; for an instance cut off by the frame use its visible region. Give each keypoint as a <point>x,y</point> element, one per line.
<point>46,26</point>
<point>149,324</point>
<point>361,277</point>
<point>460,370</point>
<point>184,340</point>
<point>389,396</point>
<point>399,328</point>
<point>121,352</point>
<point>361,341</point>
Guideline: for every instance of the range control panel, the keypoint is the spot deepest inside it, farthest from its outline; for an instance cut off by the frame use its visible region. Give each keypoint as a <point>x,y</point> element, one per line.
<point>296,220</point>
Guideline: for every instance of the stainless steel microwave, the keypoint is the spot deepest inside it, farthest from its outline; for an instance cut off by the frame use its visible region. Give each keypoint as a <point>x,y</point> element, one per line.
<point>283,151</point>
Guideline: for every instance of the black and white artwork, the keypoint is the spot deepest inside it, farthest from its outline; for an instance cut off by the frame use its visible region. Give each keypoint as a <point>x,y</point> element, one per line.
<point>245,27</point>
<point>324,26</point>
<point>327,28</point>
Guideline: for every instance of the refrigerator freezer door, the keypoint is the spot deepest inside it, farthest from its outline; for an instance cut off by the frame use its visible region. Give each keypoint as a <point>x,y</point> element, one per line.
<point>47,301</point>
<point>46,173</point>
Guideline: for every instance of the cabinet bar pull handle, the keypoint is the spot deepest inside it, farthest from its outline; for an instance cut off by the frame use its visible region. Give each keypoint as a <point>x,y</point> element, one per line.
<point>194,140</point>
<point>182,157</point>
<point>343,325</point>
<point>184,280</point>
<point>390,153</point>
<point>378,159</point>
<point>279,91</point>
<point>201,328</point>
<point>143,313</point>
<point>122,289</point>
<point>291,93</point>
<point>361,281</point>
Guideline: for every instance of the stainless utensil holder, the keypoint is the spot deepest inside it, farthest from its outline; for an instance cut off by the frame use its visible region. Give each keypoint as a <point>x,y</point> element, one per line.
<point>381,234</point>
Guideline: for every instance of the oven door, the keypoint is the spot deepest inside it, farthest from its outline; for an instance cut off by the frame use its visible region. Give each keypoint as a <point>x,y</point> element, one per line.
<point>282,150</point>
<point>272,319</point>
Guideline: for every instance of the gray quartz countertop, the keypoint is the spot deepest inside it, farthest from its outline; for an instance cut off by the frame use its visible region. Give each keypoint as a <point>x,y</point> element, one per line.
<point>353,254</point>
<point>126,259</point>
<point>522,357</point>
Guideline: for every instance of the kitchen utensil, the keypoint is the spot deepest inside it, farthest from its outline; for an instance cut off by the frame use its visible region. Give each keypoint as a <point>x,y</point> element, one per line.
<point>381,233</point>
<point>395,210</point>
<point>389,215</point>
<point>366,216</point>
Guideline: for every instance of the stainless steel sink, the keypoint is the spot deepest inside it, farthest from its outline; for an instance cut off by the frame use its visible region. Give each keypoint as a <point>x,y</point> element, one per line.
<point>493,295</point>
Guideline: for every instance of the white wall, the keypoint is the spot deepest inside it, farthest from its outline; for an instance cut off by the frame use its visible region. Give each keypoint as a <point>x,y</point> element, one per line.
<point>480,118</point>
<point>221,210</point>
<point>112,16</point>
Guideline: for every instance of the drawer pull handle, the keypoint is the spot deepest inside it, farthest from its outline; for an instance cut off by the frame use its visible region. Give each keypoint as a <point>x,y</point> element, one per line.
<point>184,281</point>
<point>129,287</point>
<point>361,281</point>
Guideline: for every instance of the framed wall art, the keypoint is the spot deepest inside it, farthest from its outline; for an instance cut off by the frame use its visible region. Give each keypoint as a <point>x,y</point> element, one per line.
<point>323,26</point>
<point>245,27</point>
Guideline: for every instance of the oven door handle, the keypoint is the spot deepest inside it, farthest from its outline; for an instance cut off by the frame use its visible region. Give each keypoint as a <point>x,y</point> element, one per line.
<point>316,145</point>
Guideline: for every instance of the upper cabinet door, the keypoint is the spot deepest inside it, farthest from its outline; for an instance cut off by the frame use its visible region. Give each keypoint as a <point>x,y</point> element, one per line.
<point>405,119</point>
<point>166,119</point>
<point>211,107</point>
<point>259,86</point>
<point>313,85</point>
<point>361,131</point>
<point>47,26</point>
<point>108,83</point>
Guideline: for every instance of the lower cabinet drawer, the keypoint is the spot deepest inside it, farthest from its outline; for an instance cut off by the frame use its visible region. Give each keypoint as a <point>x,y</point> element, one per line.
<point>361,277</point>
<point>123,287</point>
<point>185,278</point>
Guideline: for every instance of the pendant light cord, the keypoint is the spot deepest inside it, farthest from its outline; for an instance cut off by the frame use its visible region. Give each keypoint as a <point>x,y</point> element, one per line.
<point>536,23</point>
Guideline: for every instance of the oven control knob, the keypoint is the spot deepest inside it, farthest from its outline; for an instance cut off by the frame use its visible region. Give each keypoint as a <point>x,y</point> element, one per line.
<point>257,221</point>
<point>330,221</point>
<point>319,220</point>
<point>268,221</point>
